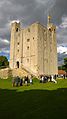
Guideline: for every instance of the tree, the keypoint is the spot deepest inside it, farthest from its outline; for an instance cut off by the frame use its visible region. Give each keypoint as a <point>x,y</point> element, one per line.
<point>3,62</point>
<point>65,64</point>
<point>59,67</point>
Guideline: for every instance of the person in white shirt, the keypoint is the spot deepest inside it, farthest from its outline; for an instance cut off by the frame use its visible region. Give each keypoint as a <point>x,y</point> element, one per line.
<point>53,80</point>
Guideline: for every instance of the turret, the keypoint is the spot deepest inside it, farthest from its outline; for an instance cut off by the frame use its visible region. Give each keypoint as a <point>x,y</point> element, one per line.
<point>15,28</point>
<point>52,43</point>
<point>49,19</point>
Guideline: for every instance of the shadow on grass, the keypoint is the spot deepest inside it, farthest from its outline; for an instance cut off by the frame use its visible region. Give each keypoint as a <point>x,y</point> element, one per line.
<point>33,104</point>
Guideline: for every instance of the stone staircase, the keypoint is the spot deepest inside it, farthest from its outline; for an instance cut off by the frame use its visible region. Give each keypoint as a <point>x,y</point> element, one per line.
<point>24,71</point>
<point>29,71</point>
<point>19,72</point>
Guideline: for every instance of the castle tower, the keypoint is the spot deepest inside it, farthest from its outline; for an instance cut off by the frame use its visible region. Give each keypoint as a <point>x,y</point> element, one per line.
<point>34,48</point>
<point>15,46</point>
<point>52,50</point>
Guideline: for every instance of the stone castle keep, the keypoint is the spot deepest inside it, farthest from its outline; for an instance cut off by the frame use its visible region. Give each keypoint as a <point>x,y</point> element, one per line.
<point>34,48</point>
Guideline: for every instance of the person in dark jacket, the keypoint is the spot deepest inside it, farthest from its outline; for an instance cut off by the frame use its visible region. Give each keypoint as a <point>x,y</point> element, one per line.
<point>21,82</point>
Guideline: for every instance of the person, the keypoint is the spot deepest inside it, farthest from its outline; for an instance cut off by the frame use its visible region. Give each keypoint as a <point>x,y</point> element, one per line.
<point>45,79</point>
<point>23,79</point>
<point>21,82</point>
<point>42,79</point>
<point>26,80</point>
<point>55,76</point>
<point>31,82</point>
<point>13,82</point>
<point>53,80</point>
<point>64,76</point>
<point>16,81</point>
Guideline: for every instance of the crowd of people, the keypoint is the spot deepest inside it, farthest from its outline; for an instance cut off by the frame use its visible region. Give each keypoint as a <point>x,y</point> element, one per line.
<point>44,79</point>
<point>17,81</point>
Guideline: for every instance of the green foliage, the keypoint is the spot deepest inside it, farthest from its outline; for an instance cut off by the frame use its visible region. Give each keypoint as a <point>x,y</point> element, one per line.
<point>63,67</point>
<point>65,61</point>
<point>59,67</point>
<point>3,62</point>
<point>65,64</point>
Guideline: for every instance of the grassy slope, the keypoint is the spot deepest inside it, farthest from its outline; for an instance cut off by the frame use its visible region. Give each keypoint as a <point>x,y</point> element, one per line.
<point>38,101</point>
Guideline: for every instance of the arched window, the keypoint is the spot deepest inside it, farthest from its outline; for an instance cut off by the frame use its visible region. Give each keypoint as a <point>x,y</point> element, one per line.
<point>18,43</point>
<point>28,40</point>
<point>27,47</point>
<point>16,29</point>
<point>50,29</point>
<point>54,30</point>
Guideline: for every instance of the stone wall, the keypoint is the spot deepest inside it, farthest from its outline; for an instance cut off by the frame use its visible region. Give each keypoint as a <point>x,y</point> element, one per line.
<point>5,73</point>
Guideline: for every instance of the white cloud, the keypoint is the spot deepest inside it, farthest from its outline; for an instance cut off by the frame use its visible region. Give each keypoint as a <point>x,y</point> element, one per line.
<point>62,49</point>
<point>5,50</point>
<point>17,21</point>
<point>63,25</point>
<point>4,41</point>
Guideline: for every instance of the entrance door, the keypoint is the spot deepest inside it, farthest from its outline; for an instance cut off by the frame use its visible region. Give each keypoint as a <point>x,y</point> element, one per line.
<point>17,64</point>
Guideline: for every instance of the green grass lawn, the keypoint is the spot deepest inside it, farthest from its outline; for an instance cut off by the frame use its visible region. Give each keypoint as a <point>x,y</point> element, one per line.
<point>37,101</point>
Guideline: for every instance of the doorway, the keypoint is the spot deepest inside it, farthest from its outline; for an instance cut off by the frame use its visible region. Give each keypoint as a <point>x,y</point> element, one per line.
<point>17,64</point>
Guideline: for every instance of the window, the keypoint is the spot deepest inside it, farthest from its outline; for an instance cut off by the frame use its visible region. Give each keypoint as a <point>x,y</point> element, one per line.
<point>54,30</point>
<point>33,37</point>
<point>28,29</point>
<point>18,50</point>
<point>27,60</point>
<point>28,40</point>
<point>27,47</point>
<point>49,29</point>
<point>18,43</point>
<point>16,29</point>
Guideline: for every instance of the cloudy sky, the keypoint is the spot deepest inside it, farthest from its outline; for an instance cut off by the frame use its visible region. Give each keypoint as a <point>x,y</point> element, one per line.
<point>29,11</point>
